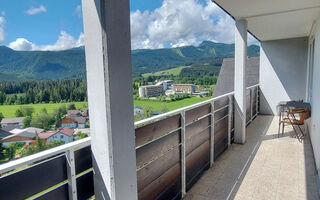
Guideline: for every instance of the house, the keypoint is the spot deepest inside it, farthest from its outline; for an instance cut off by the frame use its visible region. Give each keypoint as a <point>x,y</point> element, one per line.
<point>74,121</point>
<point>9,124</point>
<point>151,90</point>
<point>137,110</point>
<point>64,134</point>
<point>80,121</point>
<point>21,135</point>
<point>184,88</point>
<point>68,122</point>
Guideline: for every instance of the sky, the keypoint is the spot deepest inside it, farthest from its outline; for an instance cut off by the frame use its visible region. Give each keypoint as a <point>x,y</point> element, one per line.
<point>58,25</point>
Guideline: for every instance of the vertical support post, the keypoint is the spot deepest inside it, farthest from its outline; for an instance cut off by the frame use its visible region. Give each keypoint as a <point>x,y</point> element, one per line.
<point>109,80</point>
<point>257,101</point>
<point>71,171</point>
<point>229,120</point>
<point>239,81</point>
<point>183,153</point>
<point>251,104</point>
<point>212,135</point>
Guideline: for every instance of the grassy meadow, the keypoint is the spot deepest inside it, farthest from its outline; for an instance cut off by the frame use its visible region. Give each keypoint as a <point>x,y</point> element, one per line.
<point>175,72</point>
<point>9,110</point>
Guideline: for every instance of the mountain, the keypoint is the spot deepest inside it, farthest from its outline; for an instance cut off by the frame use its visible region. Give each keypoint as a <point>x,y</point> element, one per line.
<point>57,65</point>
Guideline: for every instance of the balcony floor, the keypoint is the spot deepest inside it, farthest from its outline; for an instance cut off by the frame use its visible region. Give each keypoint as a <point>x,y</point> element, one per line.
<point>265,167</point>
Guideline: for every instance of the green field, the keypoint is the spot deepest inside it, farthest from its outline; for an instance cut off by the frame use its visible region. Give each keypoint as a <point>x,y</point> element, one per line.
<point>156,105</point>
<point>175,72</point>
<point>9,110</point>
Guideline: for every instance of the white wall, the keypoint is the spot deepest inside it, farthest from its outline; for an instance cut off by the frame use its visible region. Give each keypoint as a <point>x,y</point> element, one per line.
<point>314,127</point>
<point>283,72</point>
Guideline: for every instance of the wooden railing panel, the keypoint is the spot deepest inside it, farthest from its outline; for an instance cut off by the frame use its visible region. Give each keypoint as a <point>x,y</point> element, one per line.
<point>196,113</point>
<point>219,103</point>
<point>85,186</point>
<point>221,114</point>
<point>198,126</point>
<point>167,186</point>
<point>35,179</point>
<point>196,141</point>
<point>83,159</point>
<point>60,193</point>
<point>155,130</point>
<point>157,148</point>
<point>155,169</point>
<point>197,161</point>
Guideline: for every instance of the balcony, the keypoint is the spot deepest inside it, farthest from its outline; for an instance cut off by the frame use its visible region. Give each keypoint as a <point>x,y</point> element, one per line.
<point>173,150</point>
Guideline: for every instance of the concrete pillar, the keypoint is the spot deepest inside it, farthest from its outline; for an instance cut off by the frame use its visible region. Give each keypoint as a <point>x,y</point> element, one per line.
<point>239,81</point>
<point>109,77</point>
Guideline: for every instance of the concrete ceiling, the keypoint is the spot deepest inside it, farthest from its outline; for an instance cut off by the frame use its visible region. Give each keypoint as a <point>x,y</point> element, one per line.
<point>274,19</point>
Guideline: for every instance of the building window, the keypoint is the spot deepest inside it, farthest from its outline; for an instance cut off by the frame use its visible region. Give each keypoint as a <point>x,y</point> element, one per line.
<point>61,136</point>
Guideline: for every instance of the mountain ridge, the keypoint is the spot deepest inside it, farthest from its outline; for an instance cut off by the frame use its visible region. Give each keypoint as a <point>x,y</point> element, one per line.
<point>70,63</point>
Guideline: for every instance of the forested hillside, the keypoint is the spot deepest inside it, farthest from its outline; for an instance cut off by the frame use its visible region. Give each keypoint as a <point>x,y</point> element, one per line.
<point>59,65</point>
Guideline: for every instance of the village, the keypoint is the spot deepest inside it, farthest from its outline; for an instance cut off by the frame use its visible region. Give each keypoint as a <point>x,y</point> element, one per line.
<point>73,126</point>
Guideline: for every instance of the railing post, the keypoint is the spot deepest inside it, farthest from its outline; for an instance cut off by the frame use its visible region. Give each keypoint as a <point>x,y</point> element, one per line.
<point>251,104</point>
<point>212,135</point>
<point>229,120</point>
<point>257,102</point>
<point>71,170</point>
<point>183,153</point>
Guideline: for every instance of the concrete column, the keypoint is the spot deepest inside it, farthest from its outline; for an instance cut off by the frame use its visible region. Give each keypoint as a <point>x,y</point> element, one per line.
<point>239,81</point>
<point>108,63</point>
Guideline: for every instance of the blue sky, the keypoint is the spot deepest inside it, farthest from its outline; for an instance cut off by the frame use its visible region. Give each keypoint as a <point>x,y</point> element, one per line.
<point>57,24</point>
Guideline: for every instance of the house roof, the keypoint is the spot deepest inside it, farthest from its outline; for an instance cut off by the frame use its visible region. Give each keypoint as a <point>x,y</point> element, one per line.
<point>4,134</point>
<point>80,120</point>
<point>73,112</point>
<point>65,131</point>
<point>30,132</point>
<point>68,120</point>
<point>12,120</point>
<point>137,107</point>
<point>225,83</point>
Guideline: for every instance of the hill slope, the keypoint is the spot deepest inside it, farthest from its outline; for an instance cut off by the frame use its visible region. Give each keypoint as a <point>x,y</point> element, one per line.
<point>55,65</point>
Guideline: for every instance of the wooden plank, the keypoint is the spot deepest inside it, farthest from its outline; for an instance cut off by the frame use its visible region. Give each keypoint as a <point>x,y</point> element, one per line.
<point>154,130</point>
<point>60,193</point>
<point>197,127</point>
<point>221,103</point>
<point>197,140</point>
<point>157,188</point>
<point>153,150</point>
<point>85,188</point>
<point>83,159</point>
<point>32,180</point>
<point>196,113</point>
<point>221,113</point>
<point>197,160</point>
<point>154,170</point>
<point>221,130</point>
<point>220,147</point>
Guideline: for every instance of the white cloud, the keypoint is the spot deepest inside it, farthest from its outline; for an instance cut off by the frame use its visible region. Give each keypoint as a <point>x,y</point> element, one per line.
<point>36,10</point>
<point>2,33</point>
<point>177,24</point>
<point>78,11</point>
<point>65,41</point>
<point>3,13</point>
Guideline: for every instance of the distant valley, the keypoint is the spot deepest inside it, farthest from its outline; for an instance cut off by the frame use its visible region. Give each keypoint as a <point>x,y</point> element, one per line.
<point>59,65</point>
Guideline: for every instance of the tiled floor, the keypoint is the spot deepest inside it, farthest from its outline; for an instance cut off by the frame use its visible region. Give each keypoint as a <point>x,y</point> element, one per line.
<point>265,167</point>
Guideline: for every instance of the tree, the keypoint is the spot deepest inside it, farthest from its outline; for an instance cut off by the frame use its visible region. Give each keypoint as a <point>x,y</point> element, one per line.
<point>43,120</point>
<point>147,111</point>
<point>71,106</point>
<point>1,117</point>
<point>26,122</point>
<point>27,110</point>
<point>81,135</point>
<point>164,108</point>
<point>2,156</point>
<point>19,113</point>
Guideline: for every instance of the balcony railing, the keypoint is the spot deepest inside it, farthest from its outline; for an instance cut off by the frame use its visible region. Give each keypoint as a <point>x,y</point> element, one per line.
<point>172,151</point>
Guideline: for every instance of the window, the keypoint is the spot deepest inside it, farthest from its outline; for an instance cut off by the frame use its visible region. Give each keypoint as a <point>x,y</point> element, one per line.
<point>61,136</point>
